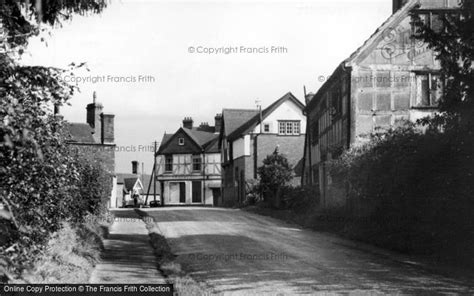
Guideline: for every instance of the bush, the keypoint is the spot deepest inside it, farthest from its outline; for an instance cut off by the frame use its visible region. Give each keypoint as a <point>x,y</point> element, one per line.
<point>301,199</point>
<point>416,188</point>
<point>274,175</point>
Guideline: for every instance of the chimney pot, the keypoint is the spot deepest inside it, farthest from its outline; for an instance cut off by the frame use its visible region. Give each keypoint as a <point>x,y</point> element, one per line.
<point>188,122</point>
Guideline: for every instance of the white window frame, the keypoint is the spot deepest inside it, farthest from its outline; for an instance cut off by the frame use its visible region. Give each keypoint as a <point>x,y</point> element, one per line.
<point>289,127</point>
<point>181,141</point>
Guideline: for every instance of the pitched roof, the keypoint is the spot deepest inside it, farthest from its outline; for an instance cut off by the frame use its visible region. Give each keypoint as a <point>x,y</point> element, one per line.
<point>80,132</point>
<point>234,118</point>
<point>129,183</point>
<point>146,180</point>
<point>204,140</point>
<point>255,120</point>
<point>379,34</point>
<point>122,176</point>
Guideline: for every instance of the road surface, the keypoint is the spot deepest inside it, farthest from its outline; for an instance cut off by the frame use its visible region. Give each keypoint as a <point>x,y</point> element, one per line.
<point>237,252</point>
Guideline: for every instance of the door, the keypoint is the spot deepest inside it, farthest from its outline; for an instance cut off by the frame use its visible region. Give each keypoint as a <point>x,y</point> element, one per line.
<point>197,192</point>
<point>182,192</point>
<point>216,195</point>
<point>174,193</point>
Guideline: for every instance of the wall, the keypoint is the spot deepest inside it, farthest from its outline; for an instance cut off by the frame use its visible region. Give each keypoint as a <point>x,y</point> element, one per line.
<point>241,147</point>
<point>288,110</point>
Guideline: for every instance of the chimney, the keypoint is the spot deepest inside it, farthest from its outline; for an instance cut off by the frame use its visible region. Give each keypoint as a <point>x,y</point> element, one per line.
<point>93,118</point>
<point>135,167</point>
<point>188,122</point>
<point>397,4</point>
<point>309,97</point>
<point>218,122</point>
<point>107,133</point>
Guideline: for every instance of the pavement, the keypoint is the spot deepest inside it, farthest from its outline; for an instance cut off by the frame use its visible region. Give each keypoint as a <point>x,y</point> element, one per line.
<point>128,257</point>
<point>240,253</point>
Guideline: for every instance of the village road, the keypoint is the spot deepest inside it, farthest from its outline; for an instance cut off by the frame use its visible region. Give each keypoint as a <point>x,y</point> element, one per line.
<point>237,252</point>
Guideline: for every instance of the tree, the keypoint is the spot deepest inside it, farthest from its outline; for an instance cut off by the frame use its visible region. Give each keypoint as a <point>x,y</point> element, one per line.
<point>275,174</point>
<point>453,44</point>
<point>40,179</point>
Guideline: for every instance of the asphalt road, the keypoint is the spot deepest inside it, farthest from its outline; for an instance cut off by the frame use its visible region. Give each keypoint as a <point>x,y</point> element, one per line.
<point>234,251</point>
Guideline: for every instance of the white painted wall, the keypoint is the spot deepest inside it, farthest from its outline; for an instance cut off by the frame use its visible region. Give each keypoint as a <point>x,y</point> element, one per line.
<point>241,147</point>
<point>286,111</point>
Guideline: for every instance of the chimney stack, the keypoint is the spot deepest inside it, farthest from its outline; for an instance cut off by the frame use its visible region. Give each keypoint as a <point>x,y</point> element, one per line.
<point>94,110</point>
<point>218,122</point>
<point>135,167</point>
<point>107,133</point>
<point>188,122</point>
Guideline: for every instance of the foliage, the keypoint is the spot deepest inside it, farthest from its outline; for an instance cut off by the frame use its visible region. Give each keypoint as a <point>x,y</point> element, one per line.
<point>416,189</point>
<point>42,183</point>
<point>274,174</point>
<point>301,199</point>
<point>454,49</point>
<point>21,18</point>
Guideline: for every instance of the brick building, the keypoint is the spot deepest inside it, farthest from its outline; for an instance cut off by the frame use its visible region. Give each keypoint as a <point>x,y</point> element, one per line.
<point>95,139</point>
<point>245,142</point>
<point>189,166</point>
<point>392,77</point>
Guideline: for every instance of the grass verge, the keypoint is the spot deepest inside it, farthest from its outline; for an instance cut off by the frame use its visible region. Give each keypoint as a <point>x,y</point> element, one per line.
<point>70,254</point>
<point>171,270</point>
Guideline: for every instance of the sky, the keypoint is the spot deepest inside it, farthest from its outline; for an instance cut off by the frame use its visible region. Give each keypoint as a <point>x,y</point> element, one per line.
<point>152,63</point>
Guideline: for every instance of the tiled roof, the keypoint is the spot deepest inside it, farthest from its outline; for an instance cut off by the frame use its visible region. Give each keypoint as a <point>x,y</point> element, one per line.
<point>80,132</point>
<point>166,138</point>
<point>206,141</point>
<point>254,121</point>
<point>234,118</point>
<point>201,138</point>
<point>148,182</point>
<point>129,183</point>
<point>122,176</point>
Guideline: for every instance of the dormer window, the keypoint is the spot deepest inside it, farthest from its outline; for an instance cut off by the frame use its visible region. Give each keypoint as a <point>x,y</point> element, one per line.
<point>181,141</point>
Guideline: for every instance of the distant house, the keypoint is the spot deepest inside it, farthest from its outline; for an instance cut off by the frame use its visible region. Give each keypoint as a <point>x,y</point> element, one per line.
<point>247,137</point>
<point>129,184</point>
<point>95,138</point>
<point>390,78</point>
<point>189,166</point>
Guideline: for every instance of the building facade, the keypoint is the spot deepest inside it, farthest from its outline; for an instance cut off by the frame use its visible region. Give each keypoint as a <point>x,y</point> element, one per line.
<point>390,79</point>
<point>189,166</point>
<point>96,139</point>
<point>249,136</point>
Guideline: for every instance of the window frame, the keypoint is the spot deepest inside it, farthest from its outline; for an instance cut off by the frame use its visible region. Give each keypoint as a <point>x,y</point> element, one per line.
<point>169,164</point>
<point>266,127</point>
<point>180,141</point>
<point>289,127</point>
<point>433,98</point>
<point>197,157</point>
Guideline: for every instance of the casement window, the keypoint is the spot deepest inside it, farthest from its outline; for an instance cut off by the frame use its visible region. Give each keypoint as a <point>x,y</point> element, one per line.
<point>436,19</point>
<point>180,141</point>
<point>266,127</point>
<point>168,163</point>
<point>429,90</point>
<point>197,163</point>
<point>289,128</point>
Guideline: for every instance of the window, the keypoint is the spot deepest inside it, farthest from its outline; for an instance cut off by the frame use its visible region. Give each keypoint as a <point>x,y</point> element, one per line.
<point>336,102</point>
<point>169,164</point>
<point>436,20</point>
<point>180,141</point>
<point>197,163</point>
<point>289,128</point>
<point>266,127</point>
<point>429,90</point>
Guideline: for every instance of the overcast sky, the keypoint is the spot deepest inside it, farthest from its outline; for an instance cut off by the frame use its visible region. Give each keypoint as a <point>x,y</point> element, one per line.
<point>154,39</point>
